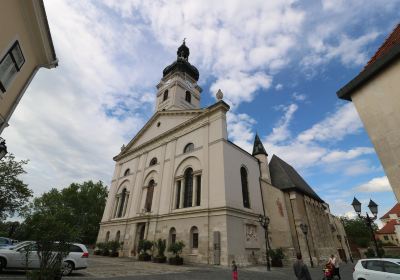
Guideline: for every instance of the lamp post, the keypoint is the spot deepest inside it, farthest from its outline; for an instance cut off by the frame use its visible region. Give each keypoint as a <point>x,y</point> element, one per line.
<point>264,222</point>
<point>373,207</point>
<point>3,148</point>
<point>304,229</point>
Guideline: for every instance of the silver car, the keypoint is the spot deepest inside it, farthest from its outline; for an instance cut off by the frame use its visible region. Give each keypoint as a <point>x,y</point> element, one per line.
<point>15,258</point>
<point>377,269</point>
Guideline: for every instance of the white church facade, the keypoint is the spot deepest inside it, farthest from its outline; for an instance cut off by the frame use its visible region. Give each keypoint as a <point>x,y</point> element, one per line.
<point>180,178</point>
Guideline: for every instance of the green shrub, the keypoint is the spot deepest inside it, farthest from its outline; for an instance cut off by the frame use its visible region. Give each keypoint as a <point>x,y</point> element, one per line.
<point>114,246</point>
<point>276,254</point>
<point>176,248</point>
<point>144,246</point>
<point>161,245</point>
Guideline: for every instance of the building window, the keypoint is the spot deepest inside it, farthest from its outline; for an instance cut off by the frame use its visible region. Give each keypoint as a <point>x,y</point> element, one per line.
<point>188,148</point>
<point>198,190</point>
<point>172,236</point>
<point>118,236</point>
<point>245,187</point>
<point>188,97</point>
<point>165,96</point>
<point>386,237</point>
<point>149,196</point>
<point>10,64</point>
<point>178,194</point>
<point>126,173</point>
<point>188,191</point>
<point>153,161</point>
<point>107,236</point>
<point>121,203</point>
<point>194,238</point>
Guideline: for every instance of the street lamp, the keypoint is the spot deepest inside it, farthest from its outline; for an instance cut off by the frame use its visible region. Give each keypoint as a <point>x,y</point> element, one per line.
<point>373,207</point>
<point>3,148</point>
<point>264,222</point>
<point>304,229</point>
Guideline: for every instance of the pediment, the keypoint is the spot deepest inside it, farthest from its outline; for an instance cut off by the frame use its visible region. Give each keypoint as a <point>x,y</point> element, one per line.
<point>160,123</point>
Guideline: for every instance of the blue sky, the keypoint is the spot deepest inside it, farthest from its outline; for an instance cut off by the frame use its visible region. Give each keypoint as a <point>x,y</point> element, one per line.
<point>279,64</point>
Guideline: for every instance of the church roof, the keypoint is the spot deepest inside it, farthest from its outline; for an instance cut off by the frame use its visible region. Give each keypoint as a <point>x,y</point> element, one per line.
<point>388,228</point>
<point>258,147</point>
<point>394,210</point>
<point>384,56</point>
<point>182,64</point>
<point>286,178</point>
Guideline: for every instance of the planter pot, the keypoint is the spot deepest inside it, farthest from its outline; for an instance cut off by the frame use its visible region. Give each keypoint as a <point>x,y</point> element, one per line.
<point>175,261</point>
<point>277,263</point>
<point>144,257</point>
<point>97,252</point>
<point>114,254</point>
<point>105,253</point>
<point>162,259</point>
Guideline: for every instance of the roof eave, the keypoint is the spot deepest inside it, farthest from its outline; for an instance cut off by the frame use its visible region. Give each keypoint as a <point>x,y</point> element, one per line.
<point>372,70</point>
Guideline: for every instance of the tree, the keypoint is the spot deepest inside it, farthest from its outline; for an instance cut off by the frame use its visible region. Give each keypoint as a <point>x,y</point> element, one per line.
<point>14,193</point>
<point>80,206</point>
<point>358,232</point>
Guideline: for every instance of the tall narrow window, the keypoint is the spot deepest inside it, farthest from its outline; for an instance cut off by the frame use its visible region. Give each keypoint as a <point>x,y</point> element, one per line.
<point>122,202</point>
<point>165,97</point>
<point>194,236</point>
<point>149,196</point>
<point>126,173</point>
<point>188,148</point>
<point>172,236</point>
<point>198,191</point>
<point>188,193</point>
<point>118,236</point>
<point>178,194</point>
<point>245,187</point>
<point>107,236</point>
<point>10,64</point>
<point>188,97</point>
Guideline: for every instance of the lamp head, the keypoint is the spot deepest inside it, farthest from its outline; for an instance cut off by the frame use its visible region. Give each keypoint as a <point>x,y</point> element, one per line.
<point>356,205</point>
<point>373,207</point>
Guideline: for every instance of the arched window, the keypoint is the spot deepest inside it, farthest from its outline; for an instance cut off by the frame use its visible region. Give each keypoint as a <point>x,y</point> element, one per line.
<point>194,238</point>
<point>121,203</point>
<point>188,97</point>
<point>188,191</point>
<point>118,236</point>
<point>245,187</point>
<point>126,173</point>
<point>107,236</point>
<point>172,236</point>
<point>153,161</point>
<point>165,97</point>
<point>188,148</point>
<point>149,196</point>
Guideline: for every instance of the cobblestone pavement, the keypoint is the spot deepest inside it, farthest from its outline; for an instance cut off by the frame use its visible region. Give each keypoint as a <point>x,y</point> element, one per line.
<point>127,269</point>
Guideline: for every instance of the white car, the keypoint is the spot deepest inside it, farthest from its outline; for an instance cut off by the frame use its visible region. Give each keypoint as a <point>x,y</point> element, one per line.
<point>14,258</point>
<point>377,269</point>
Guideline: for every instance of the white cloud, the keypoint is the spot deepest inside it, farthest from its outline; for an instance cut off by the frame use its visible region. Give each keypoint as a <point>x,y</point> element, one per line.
<point>336,155</point>
<point>380,184</point>
<point>281,131</point>
<point>279,87</point>
<point>299,97</point>
<point>240,130</point>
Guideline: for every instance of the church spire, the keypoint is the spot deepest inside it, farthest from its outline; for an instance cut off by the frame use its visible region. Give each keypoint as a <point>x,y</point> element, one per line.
<point>258,147</point>
<point>183,51</point>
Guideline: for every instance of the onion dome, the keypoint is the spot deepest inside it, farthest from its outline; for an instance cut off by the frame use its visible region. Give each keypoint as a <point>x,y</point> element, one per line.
<point>182,64</point>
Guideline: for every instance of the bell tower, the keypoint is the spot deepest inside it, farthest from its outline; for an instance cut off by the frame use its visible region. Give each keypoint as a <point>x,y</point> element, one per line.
<point>178,89</point>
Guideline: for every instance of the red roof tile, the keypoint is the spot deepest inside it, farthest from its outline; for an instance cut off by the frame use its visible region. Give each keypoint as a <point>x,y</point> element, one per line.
<point>392,40</point>
<point>388,228</point>
<point>394,210</point>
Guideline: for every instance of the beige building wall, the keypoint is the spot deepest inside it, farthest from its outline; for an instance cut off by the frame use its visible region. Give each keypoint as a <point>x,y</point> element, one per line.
<point>378,103</point>
<point>25,22</point>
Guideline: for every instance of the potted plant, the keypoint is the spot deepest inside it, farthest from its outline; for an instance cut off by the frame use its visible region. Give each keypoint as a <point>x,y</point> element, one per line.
<point>176,248</point>
<point>98,249</point>
<point>114,247</point>
<point>161,245</point>
<point>144,246</point>
<point>276,257</point>
<point>106,249</point>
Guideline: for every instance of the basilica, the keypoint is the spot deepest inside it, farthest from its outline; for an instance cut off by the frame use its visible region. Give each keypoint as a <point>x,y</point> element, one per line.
<point>180,178</point>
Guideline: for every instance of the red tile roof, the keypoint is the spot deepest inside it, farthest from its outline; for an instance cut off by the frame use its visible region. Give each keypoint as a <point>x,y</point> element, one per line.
<point>388,228</point>
<point>392,40</point>
<point>394,210</point>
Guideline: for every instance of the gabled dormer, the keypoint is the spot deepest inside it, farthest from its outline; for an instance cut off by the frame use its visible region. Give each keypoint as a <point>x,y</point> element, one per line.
<point>178,89</point>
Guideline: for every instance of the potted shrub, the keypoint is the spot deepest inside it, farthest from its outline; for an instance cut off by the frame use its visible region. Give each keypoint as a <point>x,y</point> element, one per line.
<point>98,249</point>
<point>276,257</point>
<point>144,246</point>
<point>114,247</point>
<point>106,249</point>
<point>161,245</point>
<point>176,248</point>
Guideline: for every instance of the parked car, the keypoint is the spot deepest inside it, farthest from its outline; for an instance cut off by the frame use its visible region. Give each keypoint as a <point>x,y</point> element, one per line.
<point>7,242</point>
<point>15,258</point>
<point>377,269</point>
